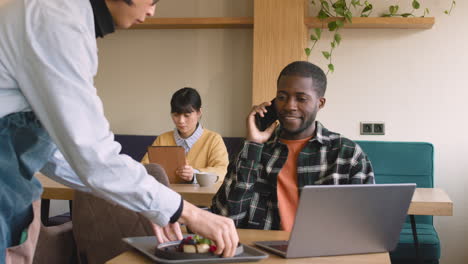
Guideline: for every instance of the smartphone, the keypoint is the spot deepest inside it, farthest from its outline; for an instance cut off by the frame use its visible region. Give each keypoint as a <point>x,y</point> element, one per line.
<point>269,117</point>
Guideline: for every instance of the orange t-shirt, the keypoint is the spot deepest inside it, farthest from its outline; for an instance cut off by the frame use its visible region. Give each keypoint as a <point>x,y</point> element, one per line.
<point>287,191</point>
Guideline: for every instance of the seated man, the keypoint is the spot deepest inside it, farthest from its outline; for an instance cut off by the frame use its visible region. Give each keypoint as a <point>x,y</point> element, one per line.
<point>261,190</point>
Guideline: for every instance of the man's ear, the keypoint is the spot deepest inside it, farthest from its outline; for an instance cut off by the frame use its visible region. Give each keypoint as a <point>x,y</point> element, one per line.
<point>322,102</point>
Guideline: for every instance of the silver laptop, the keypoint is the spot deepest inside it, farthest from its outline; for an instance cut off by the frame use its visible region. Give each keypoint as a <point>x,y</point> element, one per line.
<point>345,219</point>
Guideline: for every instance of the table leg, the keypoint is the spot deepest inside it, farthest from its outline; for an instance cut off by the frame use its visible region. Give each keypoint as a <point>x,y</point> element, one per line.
<point>419,259</point>
<point>45,206</point>
<point>70,204</point>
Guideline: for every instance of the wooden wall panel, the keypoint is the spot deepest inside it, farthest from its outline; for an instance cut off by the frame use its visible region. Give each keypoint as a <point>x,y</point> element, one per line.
<point>280,36</point>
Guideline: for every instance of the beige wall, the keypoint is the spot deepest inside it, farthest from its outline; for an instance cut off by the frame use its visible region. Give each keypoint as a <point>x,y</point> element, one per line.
<point>413,80</point>
<point>416,81</point>
<point>140,70</point>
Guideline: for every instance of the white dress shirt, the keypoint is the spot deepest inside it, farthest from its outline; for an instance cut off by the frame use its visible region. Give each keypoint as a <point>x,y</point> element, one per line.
<point>48,59</point>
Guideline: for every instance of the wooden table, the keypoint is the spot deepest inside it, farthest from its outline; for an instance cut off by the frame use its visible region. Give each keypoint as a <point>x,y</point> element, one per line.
<point>190,192</point>
<point>426,201</point>
<point>247,236</point>
<point>54,190</point>
<point>431,201</point>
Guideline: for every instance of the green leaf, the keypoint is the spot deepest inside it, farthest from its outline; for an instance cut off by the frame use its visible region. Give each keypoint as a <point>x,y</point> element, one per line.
<point>331,67</point>
<point>333,44</point>
<point>349,16</point>
<point>313,37</point>
<point>339,11</point>
<point>416,4</point>
<point>339,4</point>
<point>307,51</point>
<point>393,9</point>
<point>338,38</point>
<point>326,54</point>
<point>340,23</point>
<point>318,32</point>
<point>406,14</point>
<point>325,5</point>
<point>332,26</point>
<point>322,15</point>
<point>367,8</point>
<point>356,3</point>
<point>205,241</point>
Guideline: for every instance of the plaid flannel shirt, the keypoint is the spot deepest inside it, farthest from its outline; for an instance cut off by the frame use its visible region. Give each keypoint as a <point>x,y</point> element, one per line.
<point>249,191</point>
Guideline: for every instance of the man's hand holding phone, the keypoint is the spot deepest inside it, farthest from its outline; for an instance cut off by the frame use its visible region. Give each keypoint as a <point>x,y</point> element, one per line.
<point>254,134</point>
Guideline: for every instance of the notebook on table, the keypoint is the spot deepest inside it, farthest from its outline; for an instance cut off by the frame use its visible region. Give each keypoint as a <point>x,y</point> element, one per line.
<point>345,219</point>
<point>170,158</point>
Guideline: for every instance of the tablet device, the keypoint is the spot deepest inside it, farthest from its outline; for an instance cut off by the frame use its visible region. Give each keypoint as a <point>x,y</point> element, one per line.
<point>170,158</point>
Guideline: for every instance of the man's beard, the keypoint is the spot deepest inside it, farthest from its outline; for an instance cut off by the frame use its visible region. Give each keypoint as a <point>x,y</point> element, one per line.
<point>301,129</point>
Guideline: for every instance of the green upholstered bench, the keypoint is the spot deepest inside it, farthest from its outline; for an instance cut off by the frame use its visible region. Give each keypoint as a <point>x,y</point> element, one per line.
<point>407,162</point>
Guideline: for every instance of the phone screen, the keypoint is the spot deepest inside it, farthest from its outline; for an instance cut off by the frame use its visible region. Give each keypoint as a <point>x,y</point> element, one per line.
<point>269,118</point>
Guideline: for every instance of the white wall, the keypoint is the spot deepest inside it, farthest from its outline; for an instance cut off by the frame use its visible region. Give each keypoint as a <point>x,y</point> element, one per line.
<point>413,80</point>
<point>416,81</point>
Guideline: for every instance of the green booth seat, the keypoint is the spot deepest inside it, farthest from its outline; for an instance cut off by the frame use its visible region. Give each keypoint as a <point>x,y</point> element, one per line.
<point>407,162</point>
<point>429,244</point>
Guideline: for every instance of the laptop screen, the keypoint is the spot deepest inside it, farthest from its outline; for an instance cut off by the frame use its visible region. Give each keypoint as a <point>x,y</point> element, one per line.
<point>348,219</point>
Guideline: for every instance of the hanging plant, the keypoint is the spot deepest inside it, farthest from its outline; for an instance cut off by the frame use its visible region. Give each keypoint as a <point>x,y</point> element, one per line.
<point>344,12</point>
<point>393,10</point>
<point>448,12</point>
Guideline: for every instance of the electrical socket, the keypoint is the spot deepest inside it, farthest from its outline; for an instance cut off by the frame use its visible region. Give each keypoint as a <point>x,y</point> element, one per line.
<point>372,128</point>
<point>366,128</point>
<point>378,129</point>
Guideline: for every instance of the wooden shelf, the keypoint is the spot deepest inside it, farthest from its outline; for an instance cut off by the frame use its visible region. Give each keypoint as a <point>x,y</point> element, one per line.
<point>311,22</point>
<point>377,22</point>
<point>196,23</point>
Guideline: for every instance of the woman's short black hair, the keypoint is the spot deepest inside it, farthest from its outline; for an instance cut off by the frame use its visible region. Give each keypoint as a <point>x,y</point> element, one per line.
<point>185,100</point>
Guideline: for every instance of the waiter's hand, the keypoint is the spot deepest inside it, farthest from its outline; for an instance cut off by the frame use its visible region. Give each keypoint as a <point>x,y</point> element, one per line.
<point>185,172</point>
<point>218,228</point>
<point>171,232</point>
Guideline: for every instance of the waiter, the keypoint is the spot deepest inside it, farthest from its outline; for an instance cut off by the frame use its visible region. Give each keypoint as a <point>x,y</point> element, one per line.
<point>51,119</point>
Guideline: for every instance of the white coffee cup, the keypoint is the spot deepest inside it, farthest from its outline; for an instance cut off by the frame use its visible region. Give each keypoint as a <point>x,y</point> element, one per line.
<point>206,179</point>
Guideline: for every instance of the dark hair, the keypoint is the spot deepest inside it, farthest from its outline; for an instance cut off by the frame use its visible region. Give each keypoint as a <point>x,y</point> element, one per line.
<point>185,100</point>
<point>309,70</point>
<point>130,2</point>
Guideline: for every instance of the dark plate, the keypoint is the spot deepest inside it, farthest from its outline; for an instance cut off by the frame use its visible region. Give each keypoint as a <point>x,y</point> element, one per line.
<point>147,245</point>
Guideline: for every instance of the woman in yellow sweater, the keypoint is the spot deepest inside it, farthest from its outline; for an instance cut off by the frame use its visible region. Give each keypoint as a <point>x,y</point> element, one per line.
<point>204,149</point>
